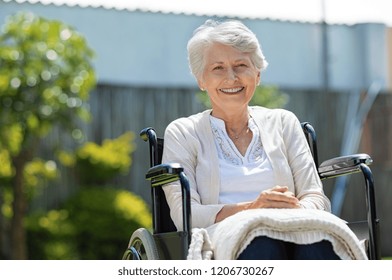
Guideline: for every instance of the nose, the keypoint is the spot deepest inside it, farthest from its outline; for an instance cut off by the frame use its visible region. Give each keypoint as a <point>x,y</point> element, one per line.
<point>231,75</point>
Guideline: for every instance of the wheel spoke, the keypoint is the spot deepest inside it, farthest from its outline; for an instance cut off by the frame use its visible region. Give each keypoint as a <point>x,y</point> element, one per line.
<point>138,245</point>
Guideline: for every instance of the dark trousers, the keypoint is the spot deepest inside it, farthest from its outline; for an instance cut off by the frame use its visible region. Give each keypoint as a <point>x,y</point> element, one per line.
<point>265,248</point>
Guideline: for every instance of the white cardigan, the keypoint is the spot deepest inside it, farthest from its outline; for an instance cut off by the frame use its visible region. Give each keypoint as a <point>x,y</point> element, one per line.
<point>189,142</point>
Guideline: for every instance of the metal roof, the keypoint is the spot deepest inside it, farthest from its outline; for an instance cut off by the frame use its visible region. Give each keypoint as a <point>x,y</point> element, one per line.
<point>333,11</point>
<point>213,8</point>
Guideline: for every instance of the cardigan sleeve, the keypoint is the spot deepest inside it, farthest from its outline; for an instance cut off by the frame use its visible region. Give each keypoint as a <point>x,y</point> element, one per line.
<point>182,145</point>
<point>308,186</point>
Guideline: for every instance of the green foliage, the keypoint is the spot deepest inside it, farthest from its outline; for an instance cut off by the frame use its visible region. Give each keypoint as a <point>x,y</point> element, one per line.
<point>269,96</point>
<point>97,222</point>
<point>45,74</point>
<point>6,169</point>
<point>10,144</point>
<point>11,136</point>
<point>50,236</point>
<point>266,96</point>
<point>37,172</point>
<point>97,164</point>
<point>94,224</point>
<point>6,207</point>
<point>45,78</point>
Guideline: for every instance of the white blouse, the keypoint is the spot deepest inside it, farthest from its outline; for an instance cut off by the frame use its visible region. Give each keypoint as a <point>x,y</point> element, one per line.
<point>242,177</point>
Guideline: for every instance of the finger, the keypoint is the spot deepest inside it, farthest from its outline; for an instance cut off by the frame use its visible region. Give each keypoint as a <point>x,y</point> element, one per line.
<point>270,199</point>
<point>288,193</point>
<point>278,196</point>
<point>281,205</point>
<point>280,188</point>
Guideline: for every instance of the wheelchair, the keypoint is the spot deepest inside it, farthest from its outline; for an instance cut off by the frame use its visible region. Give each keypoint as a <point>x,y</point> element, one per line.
<point>166,243</point>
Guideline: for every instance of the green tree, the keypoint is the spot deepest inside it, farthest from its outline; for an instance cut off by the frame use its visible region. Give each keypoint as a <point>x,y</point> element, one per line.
<point>46,75</point>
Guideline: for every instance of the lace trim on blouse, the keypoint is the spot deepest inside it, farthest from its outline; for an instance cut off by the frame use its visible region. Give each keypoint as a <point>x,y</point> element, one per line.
<point>227,149</point>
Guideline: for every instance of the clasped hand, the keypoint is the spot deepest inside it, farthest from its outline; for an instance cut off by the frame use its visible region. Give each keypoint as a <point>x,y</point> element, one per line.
<point>276,197</point>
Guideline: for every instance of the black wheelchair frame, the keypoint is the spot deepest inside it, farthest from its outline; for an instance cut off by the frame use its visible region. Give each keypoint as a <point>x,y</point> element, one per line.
<point>166,243</point>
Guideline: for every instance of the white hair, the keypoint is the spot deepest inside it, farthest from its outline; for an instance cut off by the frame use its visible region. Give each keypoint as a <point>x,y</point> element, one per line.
<point>231,33</point>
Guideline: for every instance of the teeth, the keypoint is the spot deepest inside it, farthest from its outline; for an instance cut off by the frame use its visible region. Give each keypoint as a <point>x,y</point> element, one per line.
<point>231,90</point>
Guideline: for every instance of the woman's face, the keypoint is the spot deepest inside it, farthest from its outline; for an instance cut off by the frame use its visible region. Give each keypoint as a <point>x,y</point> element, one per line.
<point>229,77</point>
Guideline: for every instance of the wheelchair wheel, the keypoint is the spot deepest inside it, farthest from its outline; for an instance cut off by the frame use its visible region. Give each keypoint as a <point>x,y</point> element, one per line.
<point>141,246</point>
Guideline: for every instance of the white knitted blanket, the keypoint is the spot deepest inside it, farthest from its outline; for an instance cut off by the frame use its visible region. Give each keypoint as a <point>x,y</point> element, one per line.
<point>227,239</point>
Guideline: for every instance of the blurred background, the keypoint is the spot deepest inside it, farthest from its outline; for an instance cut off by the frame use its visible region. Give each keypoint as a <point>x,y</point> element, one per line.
<point>80,79</point>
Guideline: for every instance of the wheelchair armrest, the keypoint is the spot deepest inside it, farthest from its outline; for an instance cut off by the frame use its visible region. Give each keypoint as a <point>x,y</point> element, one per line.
<point>167,173</point>
<point>343,165</point>
<point>164,173</point>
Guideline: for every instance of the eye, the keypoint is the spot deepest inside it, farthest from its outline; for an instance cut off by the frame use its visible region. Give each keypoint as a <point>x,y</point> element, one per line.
<point>218,67</point>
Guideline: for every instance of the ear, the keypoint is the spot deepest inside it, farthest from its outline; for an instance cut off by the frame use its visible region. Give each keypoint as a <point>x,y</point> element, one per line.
<point>201,85</point>
<point>258,78</point>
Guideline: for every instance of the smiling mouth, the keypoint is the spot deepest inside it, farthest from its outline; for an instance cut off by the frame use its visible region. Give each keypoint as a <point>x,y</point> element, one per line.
<point>231,90</point>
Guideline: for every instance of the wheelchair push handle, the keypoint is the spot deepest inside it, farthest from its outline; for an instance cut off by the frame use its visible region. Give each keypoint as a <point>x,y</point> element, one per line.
<point>149,134</point>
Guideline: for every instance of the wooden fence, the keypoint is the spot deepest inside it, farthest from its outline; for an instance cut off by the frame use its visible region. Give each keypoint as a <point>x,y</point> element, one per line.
<point>117,109</point>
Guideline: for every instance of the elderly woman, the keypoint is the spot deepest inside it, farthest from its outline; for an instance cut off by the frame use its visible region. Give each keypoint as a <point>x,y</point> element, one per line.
<point>238,157</point>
